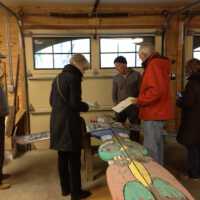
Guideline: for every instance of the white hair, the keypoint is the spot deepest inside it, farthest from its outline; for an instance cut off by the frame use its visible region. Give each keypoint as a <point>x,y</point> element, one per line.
<point>79,61</point>
<point>146,49</point>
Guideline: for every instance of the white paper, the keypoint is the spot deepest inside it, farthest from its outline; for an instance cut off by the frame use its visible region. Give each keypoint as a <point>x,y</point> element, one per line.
<point>123,104</point>
<point>93,105</point>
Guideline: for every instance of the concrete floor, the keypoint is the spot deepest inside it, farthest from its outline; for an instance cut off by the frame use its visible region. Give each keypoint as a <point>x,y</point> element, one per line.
<point>175,162</point>
<point>34,176</point>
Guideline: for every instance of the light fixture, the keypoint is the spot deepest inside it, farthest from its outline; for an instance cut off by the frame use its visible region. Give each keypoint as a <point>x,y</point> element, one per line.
<point>38,42</point>
<point>137,40</point>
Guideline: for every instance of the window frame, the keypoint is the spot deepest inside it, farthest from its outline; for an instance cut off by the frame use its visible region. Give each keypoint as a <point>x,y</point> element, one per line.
<point>195,35</point>
<point>95,71</point>
<point>112,36</point>
<point>54,37</point>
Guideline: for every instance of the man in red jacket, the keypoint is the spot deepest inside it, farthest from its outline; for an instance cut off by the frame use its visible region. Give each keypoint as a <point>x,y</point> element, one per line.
<point>154,99</point>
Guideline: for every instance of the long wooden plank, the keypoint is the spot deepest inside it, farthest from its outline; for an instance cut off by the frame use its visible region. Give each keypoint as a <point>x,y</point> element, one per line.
<point>118,176</point>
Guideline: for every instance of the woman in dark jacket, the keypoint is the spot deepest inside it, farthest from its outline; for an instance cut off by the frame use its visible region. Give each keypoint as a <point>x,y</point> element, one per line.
<point>189,131</point>
<point>65,125</point>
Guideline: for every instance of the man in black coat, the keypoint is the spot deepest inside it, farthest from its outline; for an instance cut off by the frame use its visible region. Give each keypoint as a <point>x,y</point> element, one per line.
<point>65,125</point>
<point>189,131</point>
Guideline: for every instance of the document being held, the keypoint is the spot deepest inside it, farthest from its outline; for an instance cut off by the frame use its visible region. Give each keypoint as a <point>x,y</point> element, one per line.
<point>123,104</point>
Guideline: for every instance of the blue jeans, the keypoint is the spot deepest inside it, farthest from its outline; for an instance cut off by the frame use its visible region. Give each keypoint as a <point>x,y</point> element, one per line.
<point>154,140</point>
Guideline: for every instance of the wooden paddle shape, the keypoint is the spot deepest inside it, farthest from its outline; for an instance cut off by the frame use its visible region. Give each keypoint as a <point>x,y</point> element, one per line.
<point>145,187</point>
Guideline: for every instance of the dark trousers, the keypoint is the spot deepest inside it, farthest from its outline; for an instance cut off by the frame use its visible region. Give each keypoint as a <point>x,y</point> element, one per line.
<point>69,167</point>
<point>131,112</point>
<point>193,161</point>
<point>2,145</point>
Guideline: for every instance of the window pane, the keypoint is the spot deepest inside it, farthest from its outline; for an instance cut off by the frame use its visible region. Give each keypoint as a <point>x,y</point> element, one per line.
<point>81,46</point>
<point>137,47</point>
<point>126,45</point>
<point>138,61</point>
<point>108,45</point>
<point>107,60</point>
<point>117,45</point>
<point>56,52</point>
<point>196,43</point>
<point>197,49</point>
<point>43,61</point>
<point>60,60</point>
<point>63,47</point>
<point>130,57</point>
<point>196,55</point>
<point>42,46</point>
<point>87,56</point>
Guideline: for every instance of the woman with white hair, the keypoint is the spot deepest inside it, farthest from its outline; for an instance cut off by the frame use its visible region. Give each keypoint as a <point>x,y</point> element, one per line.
<point>66,125</point>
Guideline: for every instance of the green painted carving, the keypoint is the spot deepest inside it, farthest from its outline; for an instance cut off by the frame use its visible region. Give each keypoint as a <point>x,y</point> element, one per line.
<point>136,191</point>
<point>166,190</point>
<point>161,190</point>
<point>123,151</point>
<point>111,149</point>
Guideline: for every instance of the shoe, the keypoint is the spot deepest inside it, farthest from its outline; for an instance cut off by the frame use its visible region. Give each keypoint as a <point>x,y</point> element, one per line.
<point>66,193</point>
<point>4,186</point>
<point>5,176</point>
<point>194,178</point>
<point>84,194</point>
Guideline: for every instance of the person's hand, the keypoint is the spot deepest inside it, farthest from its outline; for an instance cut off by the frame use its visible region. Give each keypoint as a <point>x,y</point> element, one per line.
<point>134,100</point>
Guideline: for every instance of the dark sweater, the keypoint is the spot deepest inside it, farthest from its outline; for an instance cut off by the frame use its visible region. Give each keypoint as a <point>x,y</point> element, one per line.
<point>126,86</point>
<point>3,103</point>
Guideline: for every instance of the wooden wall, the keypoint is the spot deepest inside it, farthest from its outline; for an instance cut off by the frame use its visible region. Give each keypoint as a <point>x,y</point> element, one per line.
<point>10,46</point>
<point>34,18</point>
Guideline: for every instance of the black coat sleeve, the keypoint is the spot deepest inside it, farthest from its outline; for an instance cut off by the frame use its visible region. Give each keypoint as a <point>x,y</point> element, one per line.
<point>51,94</point>
<point>75,96</point>
<point>188,97</point>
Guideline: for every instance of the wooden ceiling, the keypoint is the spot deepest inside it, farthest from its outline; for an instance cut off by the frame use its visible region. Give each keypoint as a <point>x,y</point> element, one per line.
<point>36,2</point>
<point>103,6</point>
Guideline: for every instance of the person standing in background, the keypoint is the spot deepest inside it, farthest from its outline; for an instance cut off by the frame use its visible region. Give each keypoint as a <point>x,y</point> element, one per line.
<point>3,112</point>
<point>126,84</point>
<point>66,125</point>
<point>189,130</point>
<point>154,100</point>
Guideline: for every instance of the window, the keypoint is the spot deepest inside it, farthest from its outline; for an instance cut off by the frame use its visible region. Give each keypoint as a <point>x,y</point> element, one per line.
<point>196,47</point>
<point>110,48</point>
<point>55,53</point>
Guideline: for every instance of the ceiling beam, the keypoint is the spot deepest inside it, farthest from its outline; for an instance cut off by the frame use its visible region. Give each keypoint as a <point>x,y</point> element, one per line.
<point>64,27</point>
<point>186,8</point>
<point>96,4</point>
<point>10,11</point>
<point>80,15</point>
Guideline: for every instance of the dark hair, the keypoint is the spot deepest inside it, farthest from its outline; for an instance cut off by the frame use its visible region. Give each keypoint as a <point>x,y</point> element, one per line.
<point>193,66</point>
<point>120,59</point>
